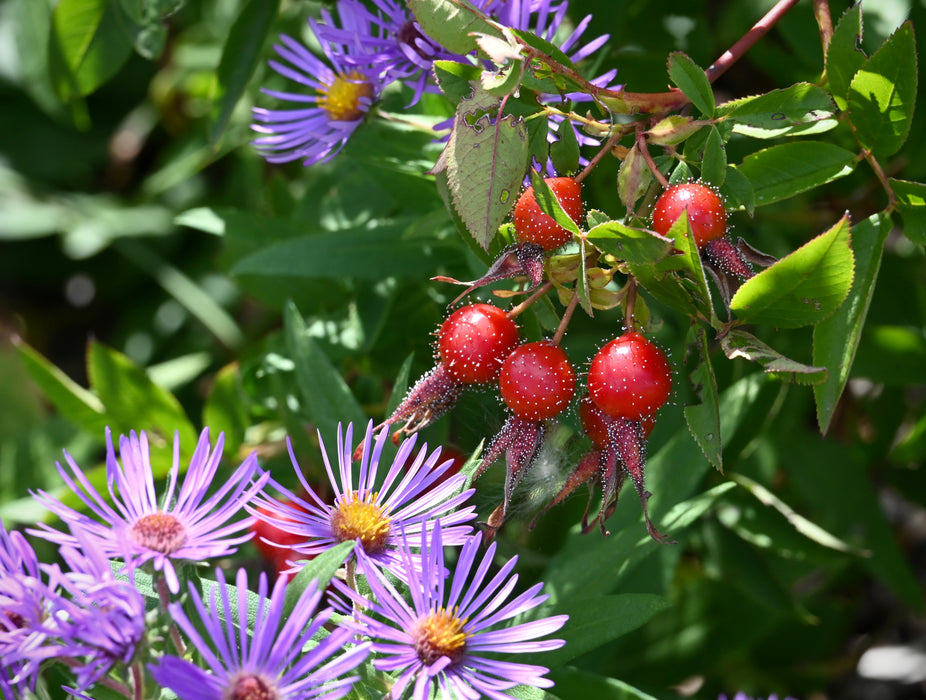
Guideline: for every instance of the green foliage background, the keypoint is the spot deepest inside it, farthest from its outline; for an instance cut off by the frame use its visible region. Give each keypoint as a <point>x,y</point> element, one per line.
<point>157,274</point>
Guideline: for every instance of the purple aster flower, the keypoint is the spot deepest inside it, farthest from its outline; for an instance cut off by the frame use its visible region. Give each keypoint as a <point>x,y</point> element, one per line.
<point>374,511</point>
<point>99,619</point>
<point>337,100</point>
<point>189,525</point>
<point>269,662</point>
<point>443,636</point>
<point>23,610</point>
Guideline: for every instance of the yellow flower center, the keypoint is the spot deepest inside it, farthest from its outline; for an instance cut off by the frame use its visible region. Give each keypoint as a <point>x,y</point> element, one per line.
<point>361,517</point>
<point>161,532</point>
<point>439,633</point>
<point>341,99</point>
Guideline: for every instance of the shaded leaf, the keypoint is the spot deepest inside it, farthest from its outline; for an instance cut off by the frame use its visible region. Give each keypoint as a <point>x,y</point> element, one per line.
<point>738,343</point>
<point>883,92</point>
<point>573,682</point>
<point>782,171</point>
<point>714,163</point>
<point>738,191</point>
<point>844,57</point>
<point>911,203</point>
<point>802,288</point>
<point>704,418</point>
<point>836,339</point>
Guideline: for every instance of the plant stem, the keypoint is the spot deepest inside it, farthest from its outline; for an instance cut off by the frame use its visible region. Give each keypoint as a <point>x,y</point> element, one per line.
<point>882,178</point>
<point>160,583</point>
<point>523,306</point>
<point>821,10</point>
<point>567,316</point>
<point>746,42</point>
<point>630,303</point>
<point>602,152</point>
<point>644,151</point>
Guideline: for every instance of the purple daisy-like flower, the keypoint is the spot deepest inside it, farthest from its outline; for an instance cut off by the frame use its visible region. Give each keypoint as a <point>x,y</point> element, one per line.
<point>98,618</point>
<point>23,611</point>
<point>189,525</point>
<point>443,636</point>
<point>373,512</point>
<point>337,100</point>
<point>269,662</point>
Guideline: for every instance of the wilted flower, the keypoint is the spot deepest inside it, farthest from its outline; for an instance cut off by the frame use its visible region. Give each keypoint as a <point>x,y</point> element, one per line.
<point>373,512</point>
<point>442,638</point>
<point>270,661</point>
<point>194,526</point>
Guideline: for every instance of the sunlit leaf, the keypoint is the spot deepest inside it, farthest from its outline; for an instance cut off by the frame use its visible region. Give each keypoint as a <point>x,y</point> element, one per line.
<point>692,81</point>
<point>782,171</point>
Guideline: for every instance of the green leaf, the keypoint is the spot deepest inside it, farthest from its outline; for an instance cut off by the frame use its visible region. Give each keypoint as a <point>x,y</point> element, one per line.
<point>739,343</point>
<point>787,169</point>
<point>633,178</point>
<point>240,56</point>
<point>692,81</point>
<point>484,161</point>
<point>89,44</point>
<point>804,526</point>
<point>320,569</point>
<point>572,682</point>
<point>883,92</point>
<point>134,402</point>
<point>226,408</point>
<point>550,205</point>
<point>673,130</point>
<point>450,23</point>
<point>597,620</point>
<point>75,403</point>
<point>326,399</point>
<point>366,253</point>
<point>802,288</point>
<point>836,339</point>
<point>565,150</point>
<point>738,191</point>
<point>714,163</point>
<point>797,110</point>
<point>636,246</point>
<point>704,418</point>
<point>844,57</point>
<point>911,203</point>
<point>455,79</point>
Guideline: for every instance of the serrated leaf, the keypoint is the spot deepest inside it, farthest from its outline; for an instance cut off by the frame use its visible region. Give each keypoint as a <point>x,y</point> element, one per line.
<point>501,82</point>
<point>836,339</point>
<point>455,79</point>
<point>485,160</point>
<point>787,169</point>
<point>808,529</point>
<point>714,164</point>
<point>704,418</point>
<point>633,178</point>
<point>326,399</point>
<point>550,205</point>
<point>450,23</point>
<point>911,203</point>
<point>800,109</point>
<point>692,81</point>
<point>738,343</point>
<point>133,401</point>
<point>240,56</point>
<point>844,57</point>
<point>565,150</point>
<point>883,92</point>
<point>802,288</point>
<point>636,246</point>
<point>88,45</point>
<point>737,191</point>
<point>673,130</point>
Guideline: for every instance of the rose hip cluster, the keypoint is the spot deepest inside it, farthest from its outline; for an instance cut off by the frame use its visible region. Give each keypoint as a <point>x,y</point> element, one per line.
<point>478,344</point>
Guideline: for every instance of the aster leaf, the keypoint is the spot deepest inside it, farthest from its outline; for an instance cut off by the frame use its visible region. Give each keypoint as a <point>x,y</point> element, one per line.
<point>484,162</point>
<point>451,23</point>
<point>320,569</point>
<point>836,339</point>
<point>883,92</point>
<point>787,169</point>
<point>802,288</point>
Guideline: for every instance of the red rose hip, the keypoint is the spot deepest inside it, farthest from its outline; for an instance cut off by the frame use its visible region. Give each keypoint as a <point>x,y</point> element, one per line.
<point>537,381</point>
<point>474,340</point>
<point>707,215</point>
<point>630,377</point>
<point>533,226</point>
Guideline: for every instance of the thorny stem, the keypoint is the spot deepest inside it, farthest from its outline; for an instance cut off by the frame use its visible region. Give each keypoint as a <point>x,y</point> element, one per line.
<point>821,10</point>
<point>515,311</point>
<point>567,316</point>
<point>746,42</point>
<point>602,152</point>
<point>644,151</point>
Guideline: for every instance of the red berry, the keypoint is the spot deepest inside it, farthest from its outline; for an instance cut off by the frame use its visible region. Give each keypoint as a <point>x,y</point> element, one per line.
<point>706,213</point>
<point>474,340</point>
<point>537,381</point>
<point>630,377</point>
<point>266,532</point>
<point>533,226</point>
<point>596,422</point>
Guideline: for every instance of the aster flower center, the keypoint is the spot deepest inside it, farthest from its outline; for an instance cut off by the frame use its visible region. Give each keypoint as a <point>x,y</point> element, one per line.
<point>342,99</point>
<point>361,517</point>
<point>439,633</point>
<point>250,686</point>
<point>161,532</point>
